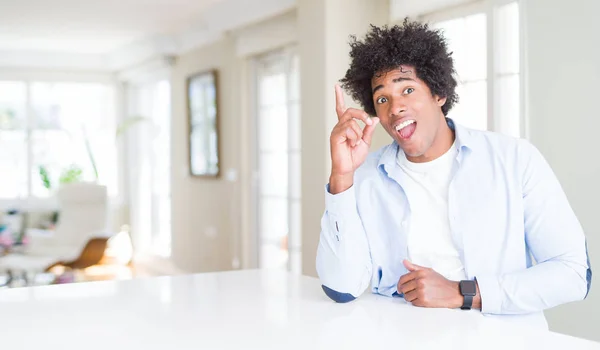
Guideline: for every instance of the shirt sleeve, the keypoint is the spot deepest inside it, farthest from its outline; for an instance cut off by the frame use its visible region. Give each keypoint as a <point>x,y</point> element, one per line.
<point>554,237</point>
<point>343,257</point>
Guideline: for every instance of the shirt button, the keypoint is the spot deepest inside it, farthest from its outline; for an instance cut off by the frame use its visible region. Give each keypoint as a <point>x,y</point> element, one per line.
<point>403,223</point>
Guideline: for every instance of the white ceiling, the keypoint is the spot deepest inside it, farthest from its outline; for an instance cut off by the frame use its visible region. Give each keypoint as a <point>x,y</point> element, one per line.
<point>117,33</point>
<point>91,26</point>
<point>110,35</point>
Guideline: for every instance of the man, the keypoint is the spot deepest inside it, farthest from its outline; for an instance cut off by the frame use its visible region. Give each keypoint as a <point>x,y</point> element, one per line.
<point>444,216</point>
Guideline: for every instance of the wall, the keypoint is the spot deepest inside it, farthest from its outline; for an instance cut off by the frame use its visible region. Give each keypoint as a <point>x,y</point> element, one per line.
<point>323,33</point>
<point>267,35</point>
<point>259,38</point>
<point>564,75</point>
<point>204,210</point>
<point>201,205</point>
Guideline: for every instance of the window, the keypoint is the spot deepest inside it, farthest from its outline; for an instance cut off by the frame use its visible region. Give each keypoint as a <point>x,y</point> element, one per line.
<point>13,140</point>
<point>57,127</point>
<point>161,171</point>
<point>149,167</point>
<point>468,43</point>
<point>485,42</point>
<point>507,69</point>
<point>278,168</point>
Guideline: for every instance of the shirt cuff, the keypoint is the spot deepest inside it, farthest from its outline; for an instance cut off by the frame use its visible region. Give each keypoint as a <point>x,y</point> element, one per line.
<point>491,297</point>
<point>340,203</point>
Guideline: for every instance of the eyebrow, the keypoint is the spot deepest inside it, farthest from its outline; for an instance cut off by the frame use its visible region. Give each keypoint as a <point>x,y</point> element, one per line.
<point>396,80</point>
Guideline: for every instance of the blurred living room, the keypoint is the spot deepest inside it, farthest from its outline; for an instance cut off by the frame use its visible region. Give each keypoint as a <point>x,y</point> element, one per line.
<point>149,138</point>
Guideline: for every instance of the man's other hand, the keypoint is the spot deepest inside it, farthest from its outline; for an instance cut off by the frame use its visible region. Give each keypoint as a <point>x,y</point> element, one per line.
<point>424,287</point>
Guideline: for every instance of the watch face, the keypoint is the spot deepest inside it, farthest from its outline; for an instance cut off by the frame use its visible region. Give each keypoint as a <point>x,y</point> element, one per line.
<point>468,288</point>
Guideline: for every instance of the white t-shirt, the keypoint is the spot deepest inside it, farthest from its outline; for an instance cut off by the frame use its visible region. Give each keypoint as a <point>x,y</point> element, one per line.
<point>429,239</point>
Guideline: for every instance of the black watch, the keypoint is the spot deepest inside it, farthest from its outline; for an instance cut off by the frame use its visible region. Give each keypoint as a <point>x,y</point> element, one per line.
<point>468,290</point>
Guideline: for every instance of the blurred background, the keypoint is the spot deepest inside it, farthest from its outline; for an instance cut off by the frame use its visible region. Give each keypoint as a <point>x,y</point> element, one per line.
<point>160,137</point>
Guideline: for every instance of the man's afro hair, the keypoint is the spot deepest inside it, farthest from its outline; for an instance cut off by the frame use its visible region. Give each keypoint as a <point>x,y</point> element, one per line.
<point>384,49</point>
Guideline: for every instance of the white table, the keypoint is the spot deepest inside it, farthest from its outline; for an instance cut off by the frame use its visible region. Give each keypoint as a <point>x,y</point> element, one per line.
<point>244,310</point>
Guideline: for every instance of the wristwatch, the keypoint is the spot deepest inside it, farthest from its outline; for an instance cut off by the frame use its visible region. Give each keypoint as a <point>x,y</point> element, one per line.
<point>468,290</point>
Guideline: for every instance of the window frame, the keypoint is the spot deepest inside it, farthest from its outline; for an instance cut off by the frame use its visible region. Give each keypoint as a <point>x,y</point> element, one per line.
<point>489,8</point>
<point>147,240</point>
<point>286,54</point>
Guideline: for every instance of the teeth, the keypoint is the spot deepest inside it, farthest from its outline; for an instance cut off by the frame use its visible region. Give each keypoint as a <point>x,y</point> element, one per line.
<point>404,124</point>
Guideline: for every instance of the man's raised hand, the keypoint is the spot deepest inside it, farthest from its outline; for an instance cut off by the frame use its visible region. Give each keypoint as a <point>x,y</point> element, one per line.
<point>349,143</point>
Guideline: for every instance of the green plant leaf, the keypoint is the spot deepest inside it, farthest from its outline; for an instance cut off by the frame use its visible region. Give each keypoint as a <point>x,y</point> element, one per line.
<point>71,174</point>
<point>45,177</point>
<point>88,149</point>
<point>129,122</point>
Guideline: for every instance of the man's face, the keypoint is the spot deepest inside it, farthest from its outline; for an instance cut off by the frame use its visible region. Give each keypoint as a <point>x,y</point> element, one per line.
<point>407,110</point>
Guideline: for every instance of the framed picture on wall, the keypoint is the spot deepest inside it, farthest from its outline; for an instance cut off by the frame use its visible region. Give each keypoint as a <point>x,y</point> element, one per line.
<point>203,118</point>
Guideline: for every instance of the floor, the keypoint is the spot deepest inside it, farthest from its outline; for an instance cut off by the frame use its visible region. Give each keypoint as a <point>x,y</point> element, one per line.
<point>104,271</point>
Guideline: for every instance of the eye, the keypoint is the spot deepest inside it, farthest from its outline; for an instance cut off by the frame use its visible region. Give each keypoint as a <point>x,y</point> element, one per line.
<point>381,100</point>
<point>409,91</point>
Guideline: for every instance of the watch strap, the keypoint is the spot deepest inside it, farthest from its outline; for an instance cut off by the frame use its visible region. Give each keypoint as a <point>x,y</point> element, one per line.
<point>467,303</point>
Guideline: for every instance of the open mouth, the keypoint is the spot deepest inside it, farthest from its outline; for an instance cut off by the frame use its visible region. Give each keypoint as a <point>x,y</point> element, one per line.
<point>406,129</point>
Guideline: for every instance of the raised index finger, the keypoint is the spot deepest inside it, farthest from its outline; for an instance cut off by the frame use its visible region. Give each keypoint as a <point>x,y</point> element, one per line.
<point>340,106</point>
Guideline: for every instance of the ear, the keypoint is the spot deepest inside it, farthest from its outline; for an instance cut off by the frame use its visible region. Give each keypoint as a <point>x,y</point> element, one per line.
<point>440,100</point>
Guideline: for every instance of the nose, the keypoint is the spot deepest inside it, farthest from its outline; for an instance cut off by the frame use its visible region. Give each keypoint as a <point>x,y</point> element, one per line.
<point>398,107</point>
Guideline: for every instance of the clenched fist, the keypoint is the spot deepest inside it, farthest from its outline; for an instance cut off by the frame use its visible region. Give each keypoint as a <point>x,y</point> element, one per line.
<point>424,287</point>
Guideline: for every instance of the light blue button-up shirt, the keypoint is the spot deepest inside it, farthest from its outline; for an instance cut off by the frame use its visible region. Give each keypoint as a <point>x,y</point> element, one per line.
<point>509,218</point>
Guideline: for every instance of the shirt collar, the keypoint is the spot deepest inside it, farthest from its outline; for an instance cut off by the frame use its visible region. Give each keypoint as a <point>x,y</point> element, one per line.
<point>463,141</point>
